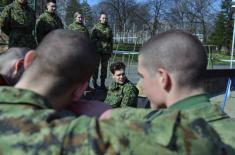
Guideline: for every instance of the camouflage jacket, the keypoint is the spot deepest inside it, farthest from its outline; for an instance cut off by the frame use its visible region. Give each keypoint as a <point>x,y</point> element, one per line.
<point>80,28</point>
<point>193,107</point>
<point>47,22</point>
<point>30,126</point>
<point>102,37</point>
<point>18,23</point>
<point>122,95</point>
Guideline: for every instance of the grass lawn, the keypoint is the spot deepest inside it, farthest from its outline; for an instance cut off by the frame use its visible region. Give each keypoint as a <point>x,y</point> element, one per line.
<point>217,57</point>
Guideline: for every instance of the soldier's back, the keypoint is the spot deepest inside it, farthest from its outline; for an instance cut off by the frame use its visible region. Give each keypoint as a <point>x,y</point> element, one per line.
<point>29,125</point>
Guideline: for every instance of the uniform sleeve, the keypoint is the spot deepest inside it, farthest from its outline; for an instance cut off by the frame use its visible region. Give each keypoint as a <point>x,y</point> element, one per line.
<point>111,41</point>
<point>87,33</point>
<point>5,20</point>
<point>130,113</point>
<point>70,27</point>
<point>112,99</point>
<point>94,37</point>
<point>40,29</point>
<point>130,95</point>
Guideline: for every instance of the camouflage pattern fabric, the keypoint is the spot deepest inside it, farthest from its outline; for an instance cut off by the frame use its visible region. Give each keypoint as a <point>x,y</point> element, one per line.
<point>47,22</point>
<point>122,95</point>
<point>193,107</point>
<point>18,22</point>
<point>102,37</point>
<point>80,28</point>
<point>30,126</point>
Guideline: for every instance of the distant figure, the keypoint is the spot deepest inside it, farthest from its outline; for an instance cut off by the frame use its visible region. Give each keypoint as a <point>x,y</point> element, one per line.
<point>17,20</point>
<point>48,21</point>
<point>78,24</point>
<point>102,37</point>
<point>12,65</point>
<point>121,92</point>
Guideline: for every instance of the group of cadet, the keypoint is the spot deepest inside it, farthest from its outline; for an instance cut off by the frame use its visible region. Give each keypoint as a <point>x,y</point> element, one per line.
<point>18,21</point>
<point>41,110</point>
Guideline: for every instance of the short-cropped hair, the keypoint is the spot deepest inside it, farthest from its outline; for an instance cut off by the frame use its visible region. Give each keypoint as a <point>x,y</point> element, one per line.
<point>76,14</point>
<point>117,66</point>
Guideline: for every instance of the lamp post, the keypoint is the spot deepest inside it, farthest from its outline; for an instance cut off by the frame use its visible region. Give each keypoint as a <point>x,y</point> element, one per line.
<point>232,52</point>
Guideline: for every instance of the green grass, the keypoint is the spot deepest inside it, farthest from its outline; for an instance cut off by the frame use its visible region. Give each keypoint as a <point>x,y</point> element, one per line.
<point>217,57</point>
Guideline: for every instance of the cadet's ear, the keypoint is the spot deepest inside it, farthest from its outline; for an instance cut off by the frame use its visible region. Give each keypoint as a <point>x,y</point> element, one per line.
<point>28,59</point>
<point>17,66</point>
<point>165,79</point>
<point>79,91</point>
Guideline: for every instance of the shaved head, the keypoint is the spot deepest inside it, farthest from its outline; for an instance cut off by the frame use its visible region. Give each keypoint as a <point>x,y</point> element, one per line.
<point>65,56</point>
<point>178,52</point>
<point>8,59</point>
<point>13,53</point>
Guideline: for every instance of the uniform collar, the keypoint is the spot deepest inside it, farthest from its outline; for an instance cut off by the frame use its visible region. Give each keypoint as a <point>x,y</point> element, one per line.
<point>50,14</point>
<point>78,23</point>
<point>191,102</point>
<point>115,85</point>
<point>103,25</point>
<point>22,96</point>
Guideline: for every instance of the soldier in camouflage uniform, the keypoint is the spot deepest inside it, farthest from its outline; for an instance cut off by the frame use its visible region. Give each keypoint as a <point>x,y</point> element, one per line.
<point>188,95</point>
<point>48,21</point>
<point>18,21</point>
<point>102,37</point>
<point>78,24</point>
<point>30,125</point>
<point>33,120</point>
<point>121,92</point>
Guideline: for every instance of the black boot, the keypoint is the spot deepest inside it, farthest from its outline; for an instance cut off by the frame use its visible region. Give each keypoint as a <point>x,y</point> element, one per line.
<point>95,84</point>
<point>102,86</point>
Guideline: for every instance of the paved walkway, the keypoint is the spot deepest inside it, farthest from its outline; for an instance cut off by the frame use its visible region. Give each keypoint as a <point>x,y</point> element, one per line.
<point>230,105</point>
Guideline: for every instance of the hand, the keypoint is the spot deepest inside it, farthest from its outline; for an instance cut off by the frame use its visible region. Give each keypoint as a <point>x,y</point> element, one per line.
<point>91,108</point>
<point>106,115</point>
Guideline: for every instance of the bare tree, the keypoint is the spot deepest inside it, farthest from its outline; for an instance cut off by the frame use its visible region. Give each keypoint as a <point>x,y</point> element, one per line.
<point>120,12</point>
<point>193,15</point>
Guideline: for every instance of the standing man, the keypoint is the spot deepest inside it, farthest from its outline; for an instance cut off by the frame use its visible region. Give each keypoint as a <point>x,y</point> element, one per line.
<point>121,92</point>
<point>102,37</point>
<point>78,24</point>
<point>48,21</point>
<point>18,21</point>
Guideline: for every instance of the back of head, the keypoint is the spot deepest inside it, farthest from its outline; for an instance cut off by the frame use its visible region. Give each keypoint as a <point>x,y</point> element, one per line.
<point>13,53</point>
<point>180,53</point>
<point>8,60</point>
<point>65,56</point>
